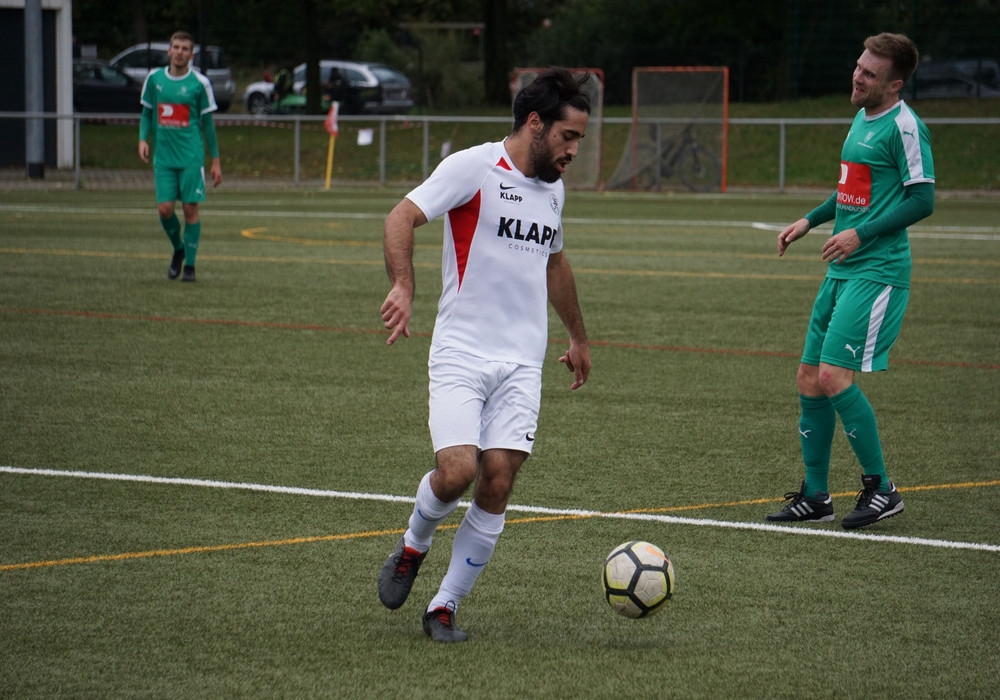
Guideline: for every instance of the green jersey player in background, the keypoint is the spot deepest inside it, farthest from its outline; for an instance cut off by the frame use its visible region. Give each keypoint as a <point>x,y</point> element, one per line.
<point>177,106</point>
<point>886,184</point>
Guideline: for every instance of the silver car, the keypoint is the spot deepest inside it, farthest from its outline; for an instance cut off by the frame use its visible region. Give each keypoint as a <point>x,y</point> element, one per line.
<point>137,61</point>
<point>371,88</point>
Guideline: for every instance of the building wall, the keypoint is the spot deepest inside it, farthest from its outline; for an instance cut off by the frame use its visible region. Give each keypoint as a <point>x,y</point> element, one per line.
<point>57,76</point>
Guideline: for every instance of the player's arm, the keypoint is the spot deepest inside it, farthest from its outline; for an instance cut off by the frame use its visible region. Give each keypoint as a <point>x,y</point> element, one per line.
<point>145,126</point>
<point>794,231</point>
<point>397,243</point>
<point>562,296</point>
<point>918,204</point>
<point>212,141</point>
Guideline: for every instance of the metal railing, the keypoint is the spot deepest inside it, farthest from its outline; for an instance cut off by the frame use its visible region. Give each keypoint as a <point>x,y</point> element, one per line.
<point>296,122</point>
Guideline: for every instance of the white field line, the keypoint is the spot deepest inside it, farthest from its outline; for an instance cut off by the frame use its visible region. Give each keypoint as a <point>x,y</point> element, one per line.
<point>538,510</point>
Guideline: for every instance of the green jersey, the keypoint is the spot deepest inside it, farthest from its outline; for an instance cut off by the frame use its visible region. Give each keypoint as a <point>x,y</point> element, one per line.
<point>881,157</point>
<point>178,105</point>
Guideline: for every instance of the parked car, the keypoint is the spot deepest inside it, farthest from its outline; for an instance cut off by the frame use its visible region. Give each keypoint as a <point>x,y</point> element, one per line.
<point>371,88</point>
<point>140,59</point>
<point>945,79</point>
<point>98,87</point>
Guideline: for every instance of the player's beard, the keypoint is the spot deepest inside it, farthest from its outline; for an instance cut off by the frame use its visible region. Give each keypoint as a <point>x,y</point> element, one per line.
<point>870,97</point>
<point>543,163</point>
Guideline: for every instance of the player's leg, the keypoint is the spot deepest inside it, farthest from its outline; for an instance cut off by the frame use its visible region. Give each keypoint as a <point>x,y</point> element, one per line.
<point>192,191</point>
<point>817,425</point>
<point>509,421</point>
<point>817,422</point>
<point>456,399</point>
<point>474,543</point>
<point>860,340</point>
<point>477,536</point>
<point>167,192</point>
<point>454,472</point>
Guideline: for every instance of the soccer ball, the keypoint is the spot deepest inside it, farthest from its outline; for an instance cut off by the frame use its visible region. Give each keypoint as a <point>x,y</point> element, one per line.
<point>638,579</point>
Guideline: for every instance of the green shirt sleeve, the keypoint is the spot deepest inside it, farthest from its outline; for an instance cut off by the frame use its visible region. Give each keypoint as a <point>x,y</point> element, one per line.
<point>919,204</point>
<point>826,211</point>
<point>211,139</point>
<point>145,123</point>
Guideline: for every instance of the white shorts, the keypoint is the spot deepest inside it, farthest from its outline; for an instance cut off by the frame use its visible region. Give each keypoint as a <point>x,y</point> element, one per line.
<point>492,405</point>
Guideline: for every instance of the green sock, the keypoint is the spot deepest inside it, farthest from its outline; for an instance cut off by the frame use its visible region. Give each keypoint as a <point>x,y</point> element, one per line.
<point>173,228</point>
<point>816,427</point>
<point>192,234</point>
<point>859,425</point>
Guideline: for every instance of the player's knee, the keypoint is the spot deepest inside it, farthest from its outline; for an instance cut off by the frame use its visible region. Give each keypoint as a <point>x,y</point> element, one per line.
<point>807,380</point>
<point>452,476</point>
<point>833,380</point>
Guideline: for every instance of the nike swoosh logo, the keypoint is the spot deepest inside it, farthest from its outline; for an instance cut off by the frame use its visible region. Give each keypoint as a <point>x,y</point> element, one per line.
<point>529,437</point>
<point>468,560</point>
<point>507,187</point>
<point>423,517</point>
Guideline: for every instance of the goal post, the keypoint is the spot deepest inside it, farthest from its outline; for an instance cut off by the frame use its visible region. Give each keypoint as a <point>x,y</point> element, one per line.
<point>585,171</point>
<point>679,133</point>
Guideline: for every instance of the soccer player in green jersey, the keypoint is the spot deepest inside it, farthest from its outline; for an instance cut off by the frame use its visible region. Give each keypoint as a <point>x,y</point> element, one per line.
<point>177,106</point>
<point>886,184</point>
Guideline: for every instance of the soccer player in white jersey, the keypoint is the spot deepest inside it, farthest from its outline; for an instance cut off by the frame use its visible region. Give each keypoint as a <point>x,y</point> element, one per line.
<point>886,184</point>
<point>503,262</point>
<point>177,106</point>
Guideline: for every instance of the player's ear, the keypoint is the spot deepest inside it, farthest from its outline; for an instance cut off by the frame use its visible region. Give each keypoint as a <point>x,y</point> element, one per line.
<point>535,123</point>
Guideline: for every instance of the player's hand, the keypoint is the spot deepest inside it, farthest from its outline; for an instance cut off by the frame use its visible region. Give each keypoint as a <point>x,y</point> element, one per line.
<point>144,151</point>
<point>396,310</point>
<point>216,172</point>
<point>792,233</point>
<point>840,246</point>
<point>577,361</point>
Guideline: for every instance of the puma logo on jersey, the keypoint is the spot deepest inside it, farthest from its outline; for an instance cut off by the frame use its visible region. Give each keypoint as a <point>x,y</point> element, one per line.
<point>853,351</point>
<point>531,232</point>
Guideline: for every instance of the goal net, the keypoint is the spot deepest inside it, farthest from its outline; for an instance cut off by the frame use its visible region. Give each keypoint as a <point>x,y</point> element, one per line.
<point>678,136</point>
<point>585,171</point>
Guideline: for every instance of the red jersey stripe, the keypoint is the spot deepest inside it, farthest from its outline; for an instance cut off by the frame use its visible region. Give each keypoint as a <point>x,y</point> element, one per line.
<point>464,220</point>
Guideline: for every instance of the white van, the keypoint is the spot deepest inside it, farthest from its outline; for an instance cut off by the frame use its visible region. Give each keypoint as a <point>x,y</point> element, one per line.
<point>140,59</point>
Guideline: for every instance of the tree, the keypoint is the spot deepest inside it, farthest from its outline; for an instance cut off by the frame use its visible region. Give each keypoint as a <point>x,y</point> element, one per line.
<point>496,58</point>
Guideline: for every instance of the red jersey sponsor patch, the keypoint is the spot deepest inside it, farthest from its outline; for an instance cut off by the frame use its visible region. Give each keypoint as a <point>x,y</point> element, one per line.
<point>855,186</point>
<point>174,115</point>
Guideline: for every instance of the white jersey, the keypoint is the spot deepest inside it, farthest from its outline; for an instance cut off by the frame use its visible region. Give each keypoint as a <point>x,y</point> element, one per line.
<point>499,229</point>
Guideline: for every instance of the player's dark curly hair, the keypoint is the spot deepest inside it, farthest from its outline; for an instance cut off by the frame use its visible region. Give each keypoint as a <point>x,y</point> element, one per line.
<point>549,94</point>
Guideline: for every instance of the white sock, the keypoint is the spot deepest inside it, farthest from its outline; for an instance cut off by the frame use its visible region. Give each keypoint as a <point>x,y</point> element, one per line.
<point>473,546</point>
<point>428,513</point>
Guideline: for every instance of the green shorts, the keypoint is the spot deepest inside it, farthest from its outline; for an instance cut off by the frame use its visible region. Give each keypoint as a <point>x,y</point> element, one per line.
<point>185,184</point>
<point>854,323</point>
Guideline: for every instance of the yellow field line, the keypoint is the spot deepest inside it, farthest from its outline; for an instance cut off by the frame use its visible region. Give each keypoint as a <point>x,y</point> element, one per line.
<point>194,550</point>
<point>580,270</point>
<point>206,549</point>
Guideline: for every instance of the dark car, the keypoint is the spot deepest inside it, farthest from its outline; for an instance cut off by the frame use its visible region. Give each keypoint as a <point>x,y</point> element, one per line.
<point>948,79</point>
<point>367,88</point>
<point>98,87</point>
